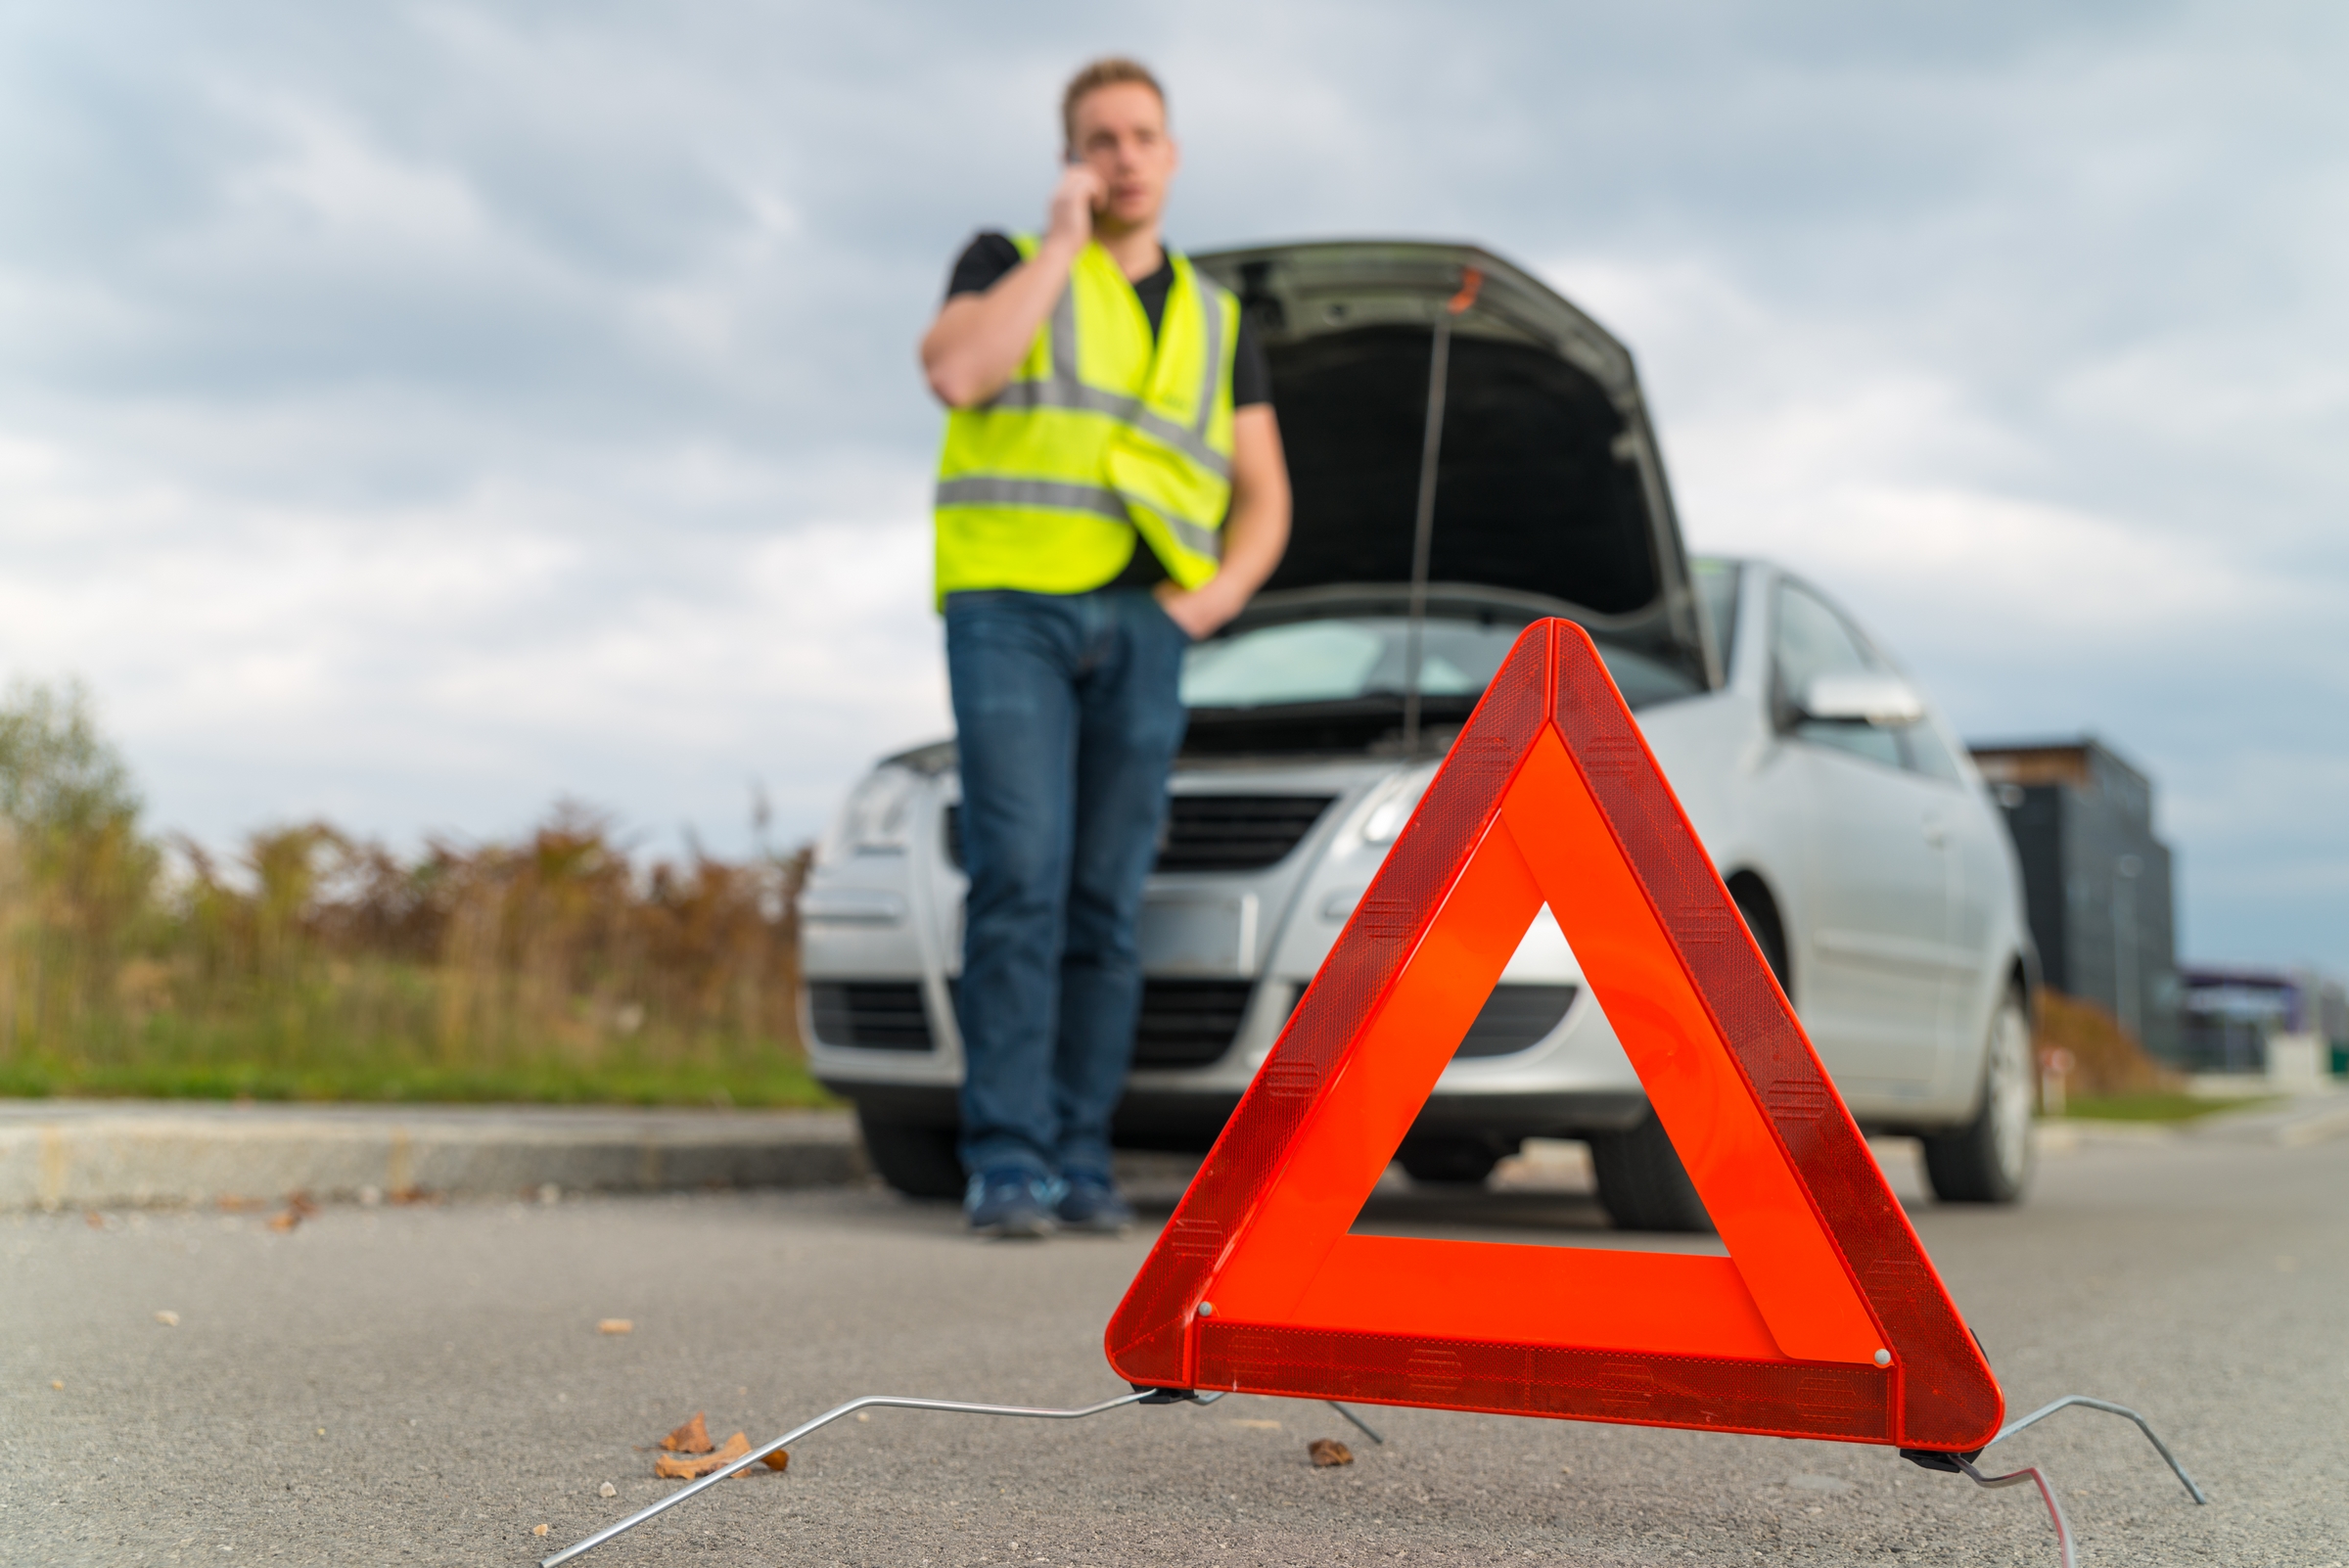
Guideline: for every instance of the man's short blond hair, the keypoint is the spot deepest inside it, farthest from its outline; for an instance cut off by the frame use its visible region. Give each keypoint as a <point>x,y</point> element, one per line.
<point>1105,73</point>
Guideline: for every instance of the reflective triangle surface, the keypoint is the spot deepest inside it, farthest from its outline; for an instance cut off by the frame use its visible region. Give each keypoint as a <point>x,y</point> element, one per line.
<point>1826,1319</point>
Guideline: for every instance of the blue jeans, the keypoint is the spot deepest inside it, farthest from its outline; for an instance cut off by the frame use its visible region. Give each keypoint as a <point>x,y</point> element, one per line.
<point>1066,717</point>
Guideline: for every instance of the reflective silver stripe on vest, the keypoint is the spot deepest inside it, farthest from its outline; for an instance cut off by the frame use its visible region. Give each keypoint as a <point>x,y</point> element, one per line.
<point>1192,444</point>
<point>1092,498</point>
<point>1213,307</point>
<point>985,491</point>
<point>1064,335</point>
<point>1066,388</point>
<point>1059,394</point>
<point>1192,536</point>
<point>1075,394</point>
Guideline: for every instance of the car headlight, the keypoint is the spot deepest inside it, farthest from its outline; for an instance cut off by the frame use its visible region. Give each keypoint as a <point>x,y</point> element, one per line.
<point>1392,806</point>
<point>877,817</point>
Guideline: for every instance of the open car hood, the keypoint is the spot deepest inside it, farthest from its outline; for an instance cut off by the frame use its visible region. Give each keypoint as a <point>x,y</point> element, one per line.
<point>1550,486</point>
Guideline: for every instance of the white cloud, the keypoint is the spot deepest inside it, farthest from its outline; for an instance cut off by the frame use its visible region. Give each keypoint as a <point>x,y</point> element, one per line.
<point>1806,442</point>
<point>328,185</point>
<point>304,652</point>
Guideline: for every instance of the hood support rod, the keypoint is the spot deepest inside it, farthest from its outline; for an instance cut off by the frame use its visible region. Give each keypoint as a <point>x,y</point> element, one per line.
<point>1423,528</point>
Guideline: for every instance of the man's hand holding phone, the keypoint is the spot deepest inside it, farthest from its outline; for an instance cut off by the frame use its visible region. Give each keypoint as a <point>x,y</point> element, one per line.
<point>1074,200</point>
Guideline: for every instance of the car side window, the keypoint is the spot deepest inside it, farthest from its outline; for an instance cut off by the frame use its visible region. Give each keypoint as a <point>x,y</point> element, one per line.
<point>1810,640</point>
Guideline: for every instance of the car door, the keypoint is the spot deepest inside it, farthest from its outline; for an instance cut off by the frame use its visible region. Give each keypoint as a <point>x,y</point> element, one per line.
<point>1877,878</point>
<point>1974,851</point>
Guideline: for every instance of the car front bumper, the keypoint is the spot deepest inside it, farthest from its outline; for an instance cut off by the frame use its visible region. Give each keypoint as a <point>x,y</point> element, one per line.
<point>1246,943</point>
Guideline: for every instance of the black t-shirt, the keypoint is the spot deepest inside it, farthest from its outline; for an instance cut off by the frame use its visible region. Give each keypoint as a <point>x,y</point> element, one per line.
<point>988,257</point>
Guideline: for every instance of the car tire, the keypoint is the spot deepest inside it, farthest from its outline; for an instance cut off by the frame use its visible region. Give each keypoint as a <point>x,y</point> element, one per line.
<point>1989,1160</point>
<point>1448,1162</point>
<point>1641,1184</point>
<point>919,1160</point>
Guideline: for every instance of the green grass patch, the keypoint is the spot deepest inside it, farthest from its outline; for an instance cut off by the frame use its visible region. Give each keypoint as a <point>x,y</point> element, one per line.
<point>777,1082</point>
<point>2158,1106</point>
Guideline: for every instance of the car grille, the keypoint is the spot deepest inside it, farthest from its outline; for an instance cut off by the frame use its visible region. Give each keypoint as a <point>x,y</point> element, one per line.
<point>1236,832</point>
<point>1214,832</point>
<point>1189,1023</point>
<point>1185,1023</point>
<point>876,1015</point>
<point>1514,1018</point>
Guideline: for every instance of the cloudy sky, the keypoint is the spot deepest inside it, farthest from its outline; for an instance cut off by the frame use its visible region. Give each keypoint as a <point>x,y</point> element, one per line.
<point>416,413</point>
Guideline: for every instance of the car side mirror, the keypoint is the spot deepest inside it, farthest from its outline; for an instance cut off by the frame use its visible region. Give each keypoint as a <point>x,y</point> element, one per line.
<point>1883,700</point>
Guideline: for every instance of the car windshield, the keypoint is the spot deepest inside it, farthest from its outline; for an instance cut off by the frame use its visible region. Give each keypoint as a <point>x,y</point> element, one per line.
<point>1717,591</point>
<point>1347,658</point>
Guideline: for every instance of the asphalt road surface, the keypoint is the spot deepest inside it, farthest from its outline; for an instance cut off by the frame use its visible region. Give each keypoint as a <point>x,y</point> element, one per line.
<point>429,1384</point>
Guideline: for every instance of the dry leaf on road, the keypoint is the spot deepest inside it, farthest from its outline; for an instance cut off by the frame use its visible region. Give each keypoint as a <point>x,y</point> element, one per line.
<point>615,1326</point>
<point>169,1319</point>
<point>1327,1451</point>
<point>691,1438</point>
<point>780,1459</point>
<point>283,1222</point>
<point>539,1531</point>
<point>684,1469</point>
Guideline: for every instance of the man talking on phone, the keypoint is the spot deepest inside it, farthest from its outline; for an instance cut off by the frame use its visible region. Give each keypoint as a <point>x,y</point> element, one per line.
<point>1111,490</point>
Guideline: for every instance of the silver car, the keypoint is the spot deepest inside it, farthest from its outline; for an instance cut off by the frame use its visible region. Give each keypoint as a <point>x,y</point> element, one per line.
<point>1850,827</point>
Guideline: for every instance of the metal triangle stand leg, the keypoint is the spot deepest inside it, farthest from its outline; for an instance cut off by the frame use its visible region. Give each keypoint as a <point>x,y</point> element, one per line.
<point>2046,1491</point>
<point>1144,1396</point>
<point>2109,1408</point>
<point>1357,1421</point>
<point>1962,1463</point>
<point>1931,1459</point>
<point>1140,1396</point>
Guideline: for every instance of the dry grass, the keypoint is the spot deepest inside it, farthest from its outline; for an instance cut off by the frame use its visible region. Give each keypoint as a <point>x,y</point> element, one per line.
<point>316,965</point>
<point>2107,1061</point>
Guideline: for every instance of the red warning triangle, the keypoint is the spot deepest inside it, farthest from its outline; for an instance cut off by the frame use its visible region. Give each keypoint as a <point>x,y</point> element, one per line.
<point>1826,1320</point>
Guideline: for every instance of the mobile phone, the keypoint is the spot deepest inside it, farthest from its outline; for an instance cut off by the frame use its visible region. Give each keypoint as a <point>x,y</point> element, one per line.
<point>1070,160</point>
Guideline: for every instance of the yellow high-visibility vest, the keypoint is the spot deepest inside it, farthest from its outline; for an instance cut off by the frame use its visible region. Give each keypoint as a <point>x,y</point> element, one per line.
<point>1101,437</point>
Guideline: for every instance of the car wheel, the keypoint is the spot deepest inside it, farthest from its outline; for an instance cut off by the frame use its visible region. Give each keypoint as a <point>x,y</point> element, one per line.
<point>1643,1185</point>
<point>1448,1162</point>
<point>919,1160</point>
<point>1989,1159</point>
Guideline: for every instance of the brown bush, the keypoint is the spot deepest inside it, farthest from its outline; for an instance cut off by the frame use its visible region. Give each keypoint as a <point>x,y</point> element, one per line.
<point>314,958</point>
<point>2106,1059</point>
<point>560,944</point>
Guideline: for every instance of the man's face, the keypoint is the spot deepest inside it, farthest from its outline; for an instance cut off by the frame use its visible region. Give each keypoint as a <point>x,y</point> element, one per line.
<point>1122,134</point>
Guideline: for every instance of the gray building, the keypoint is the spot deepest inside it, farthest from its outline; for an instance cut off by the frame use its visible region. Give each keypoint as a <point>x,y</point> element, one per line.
<point>2095,879</point>
<point>2233,1013</point>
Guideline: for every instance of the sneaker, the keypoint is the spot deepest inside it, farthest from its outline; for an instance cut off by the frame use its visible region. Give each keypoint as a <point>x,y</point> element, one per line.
<point>1010,1202</point>
<point>1091,1203</point>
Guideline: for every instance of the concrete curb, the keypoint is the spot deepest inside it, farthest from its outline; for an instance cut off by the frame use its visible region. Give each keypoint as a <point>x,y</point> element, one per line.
<point>111,1153</point>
